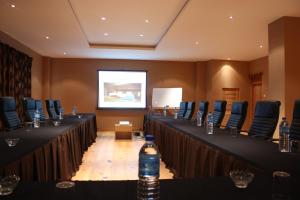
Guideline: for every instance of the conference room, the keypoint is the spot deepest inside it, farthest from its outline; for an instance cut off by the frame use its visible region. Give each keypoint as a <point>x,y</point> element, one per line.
<point>174,99</point>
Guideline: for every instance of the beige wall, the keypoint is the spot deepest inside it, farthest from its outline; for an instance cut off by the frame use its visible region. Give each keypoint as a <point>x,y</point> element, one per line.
<point>284,57</point>
<point>227,74</point>
<point>74,81</point>
<point>292,63</point>
<point>36,70</point>
<point>200,87</point>
<point>261,65</point>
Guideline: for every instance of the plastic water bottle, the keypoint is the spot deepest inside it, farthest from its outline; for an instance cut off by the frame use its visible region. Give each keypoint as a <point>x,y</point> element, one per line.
<point>61,113</point>
<point>165,111</point>
<point>74,110</point>
<point>36,119</point>
<point>149,162</point>
<point>199,118</point>
<point>284,136</point>
<point>210,124</point>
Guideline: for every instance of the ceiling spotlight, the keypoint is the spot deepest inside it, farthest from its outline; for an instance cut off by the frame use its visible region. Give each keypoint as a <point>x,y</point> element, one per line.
<point>230,17</point>
<point>196,43</point>
<point>141,35</point>
<point>105,34</point>
<point>103,18</point>
<point>228,58</point>
<point>147,21</point>
<point>65,53</point>
<point>47,37</point>
<point>261,46</point>
<point>12,5</point>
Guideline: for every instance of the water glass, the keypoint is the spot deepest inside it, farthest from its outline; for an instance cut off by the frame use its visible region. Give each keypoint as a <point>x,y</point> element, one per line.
<point>241,178</point>
<point>233,131</point>
<point>8,184</point>
<point>295,146</point>
<point>11,142</point>
<point>281,185</point>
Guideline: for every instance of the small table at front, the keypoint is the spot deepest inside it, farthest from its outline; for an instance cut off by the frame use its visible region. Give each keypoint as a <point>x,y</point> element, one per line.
<point>123,131</point>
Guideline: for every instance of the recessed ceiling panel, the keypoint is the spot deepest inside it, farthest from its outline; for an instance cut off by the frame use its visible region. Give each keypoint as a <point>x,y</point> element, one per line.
<point>130,22</point>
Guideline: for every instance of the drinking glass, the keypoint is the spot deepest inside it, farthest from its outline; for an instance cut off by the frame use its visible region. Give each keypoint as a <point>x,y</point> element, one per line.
<point>233,131</point>
<point>281,185</point>
<point>11,142</point>
<point>240,178</point>
<point>295,146</point>
<point>8,184</point>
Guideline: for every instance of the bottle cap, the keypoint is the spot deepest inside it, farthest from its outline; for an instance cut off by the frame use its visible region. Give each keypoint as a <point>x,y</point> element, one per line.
<point>149,138</point>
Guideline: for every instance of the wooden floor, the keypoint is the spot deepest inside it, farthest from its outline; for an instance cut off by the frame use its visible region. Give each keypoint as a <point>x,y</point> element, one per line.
<point>110,159</point>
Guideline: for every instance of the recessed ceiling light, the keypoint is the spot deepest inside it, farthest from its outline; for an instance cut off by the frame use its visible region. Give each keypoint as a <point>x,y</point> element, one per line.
<point>65,53</point>
<point>228,58</point>
<point>105,34</point>
<point>261,46</point>
<point>103,18</point>
<point>47,37</point>
<point>147,21</point>
<point>12,5</point>
<point>230,17</point>
<point>141,35</point>
<point>196,43</point>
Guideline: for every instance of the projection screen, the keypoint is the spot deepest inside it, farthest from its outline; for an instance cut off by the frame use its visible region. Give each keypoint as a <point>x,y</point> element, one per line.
<point>122,89</point>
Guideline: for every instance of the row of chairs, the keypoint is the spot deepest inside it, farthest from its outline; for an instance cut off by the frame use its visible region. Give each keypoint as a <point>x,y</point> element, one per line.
<point>265,117</point>
<point>10,117</point>
<point>186,110</point>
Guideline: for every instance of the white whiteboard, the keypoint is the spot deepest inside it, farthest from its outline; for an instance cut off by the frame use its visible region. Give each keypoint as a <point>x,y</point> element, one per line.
<point>166,96</point>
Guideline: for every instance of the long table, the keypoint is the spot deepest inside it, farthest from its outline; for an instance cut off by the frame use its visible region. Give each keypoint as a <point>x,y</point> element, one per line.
<point>50,152</point>
<point>181,189</point>
<point>190,152</point>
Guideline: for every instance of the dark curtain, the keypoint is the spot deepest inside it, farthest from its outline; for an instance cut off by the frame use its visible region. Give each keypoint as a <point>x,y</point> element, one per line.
<point>15,75</point>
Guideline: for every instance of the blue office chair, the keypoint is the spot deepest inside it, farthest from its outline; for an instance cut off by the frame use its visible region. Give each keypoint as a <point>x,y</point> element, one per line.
<point>265,119</point>
<point>8,113</point>
<point>219,112</point>
<point>238,115</point>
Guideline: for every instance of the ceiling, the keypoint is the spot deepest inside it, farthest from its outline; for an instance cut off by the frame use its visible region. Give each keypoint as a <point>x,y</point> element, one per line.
<point>186,30</point>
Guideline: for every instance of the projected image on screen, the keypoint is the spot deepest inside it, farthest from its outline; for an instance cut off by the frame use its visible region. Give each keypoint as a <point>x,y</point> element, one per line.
<point>122,89</point>
<point>118,92</point>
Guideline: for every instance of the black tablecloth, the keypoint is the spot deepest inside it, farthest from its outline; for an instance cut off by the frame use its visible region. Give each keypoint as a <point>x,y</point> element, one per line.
<point>205,188</point>
<point>49,152</point>
<point>256,152</point>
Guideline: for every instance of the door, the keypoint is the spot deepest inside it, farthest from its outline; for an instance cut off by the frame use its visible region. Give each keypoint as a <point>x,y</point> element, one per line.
<point>230,95</point>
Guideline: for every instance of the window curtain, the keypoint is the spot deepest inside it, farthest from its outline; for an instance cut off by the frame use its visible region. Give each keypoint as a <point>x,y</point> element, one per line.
<point>15,75</point>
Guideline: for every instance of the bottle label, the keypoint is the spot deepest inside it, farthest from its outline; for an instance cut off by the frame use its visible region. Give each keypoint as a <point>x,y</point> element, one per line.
<point>149,165</point>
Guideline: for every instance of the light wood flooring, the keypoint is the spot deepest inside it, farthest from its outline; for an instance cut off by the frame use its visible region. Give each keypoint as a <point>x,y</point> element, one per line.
<point>110,159</point>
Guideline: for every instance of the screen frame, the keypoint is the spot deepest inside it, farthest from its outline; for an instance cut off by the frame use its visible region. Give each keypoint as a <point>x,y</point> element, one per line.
<point>122,108</point>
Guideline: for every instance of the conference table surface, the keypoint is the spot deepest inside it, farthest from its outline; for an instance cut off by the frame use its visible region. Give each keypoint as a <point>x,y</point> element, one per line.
<point>257,152</point>
<point>48,153</point>
<point>182,189</point>
<point>33,138</point>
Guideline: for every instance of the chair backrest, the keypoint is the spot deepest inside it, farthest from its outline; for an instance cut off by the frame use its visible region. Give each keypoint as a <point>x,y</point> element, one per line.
<point>238,115</point>
<point>29,108</point>
<point>219,112</point>
<point>51,109</point>
<point>203,109</point>
<point>265,119</point>
<point>8,112</point>
<point>39,107</point>
<point>295,125</point>
<point>189,110</point>
<point>57,106</point>
<point>182,109</point>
